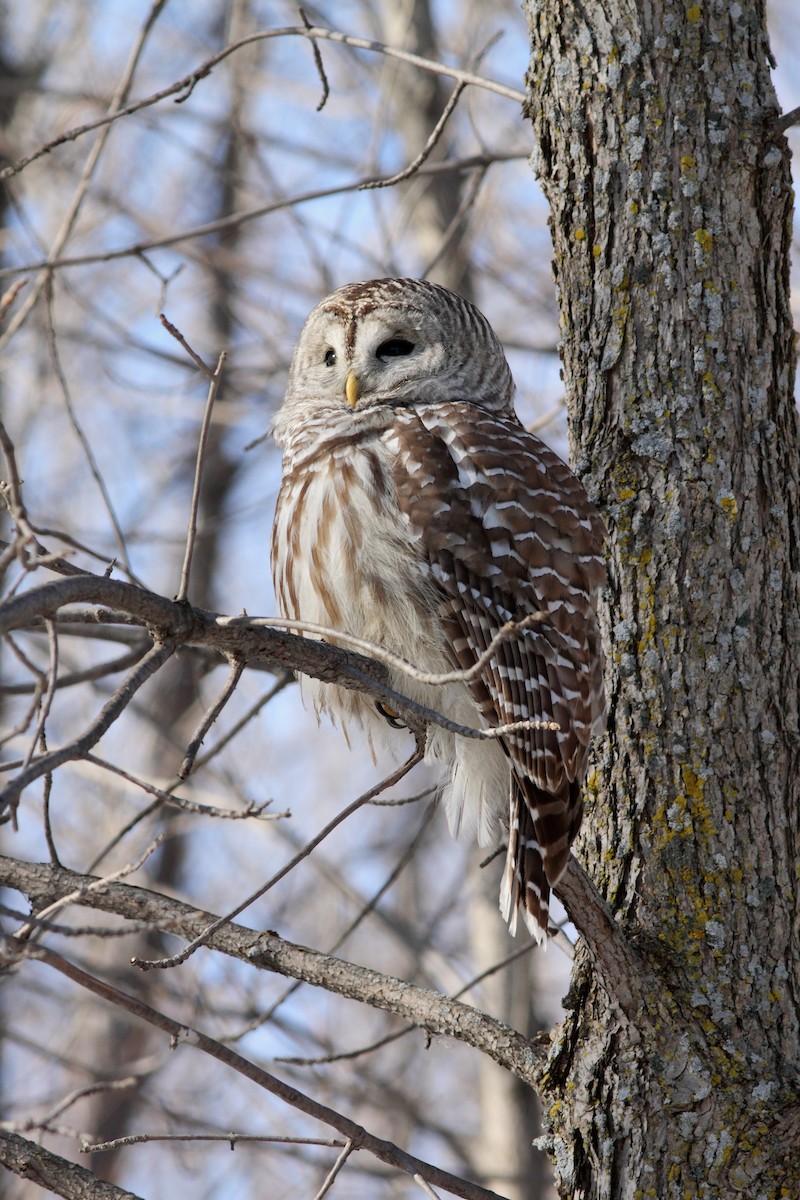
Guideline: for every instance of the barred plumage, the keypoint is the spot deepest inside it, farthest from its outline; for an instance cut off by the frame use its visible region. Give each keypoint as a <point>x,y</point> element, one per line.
<point>415,511</point>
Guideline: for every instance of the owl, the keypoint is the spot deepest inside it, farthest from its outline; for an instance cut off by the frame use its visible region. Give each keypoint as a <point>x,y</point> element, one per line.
<point>415,511</point>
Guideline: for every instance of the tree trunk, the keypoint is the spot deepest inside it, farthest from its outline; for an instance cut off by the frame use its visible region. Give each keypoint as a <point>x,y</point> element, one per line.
<point>671,204</point>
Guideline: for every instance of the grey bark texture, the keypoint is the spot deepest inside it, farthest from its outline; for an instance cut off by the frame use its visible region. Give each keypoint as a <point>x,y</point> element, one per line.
<point>671,218</point>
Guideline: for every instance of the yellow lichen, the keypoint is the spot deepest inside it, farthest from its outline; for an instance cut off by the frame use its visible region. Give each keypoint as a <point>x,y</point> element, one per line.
<point>704,239</point>
<point>693,784</point>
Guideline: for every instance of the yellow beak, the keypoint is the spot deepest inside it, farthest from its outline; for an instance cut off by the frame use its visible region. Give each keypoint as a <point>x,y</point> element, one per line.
<point>351,389</point>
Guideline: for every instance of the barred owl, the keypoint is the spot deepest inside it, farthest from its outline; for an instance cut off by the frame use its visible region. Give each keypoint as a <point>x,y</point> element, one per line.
<point>416,511</point>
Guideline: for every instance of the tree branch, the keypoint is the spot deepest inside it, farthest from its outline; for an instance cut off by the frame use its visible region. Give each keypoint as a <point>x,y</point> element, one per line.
<point>382,1149</point>
<point>58,1175</point>
<point>267,951</point>
<point>623,971</point>
<point>185,86</point>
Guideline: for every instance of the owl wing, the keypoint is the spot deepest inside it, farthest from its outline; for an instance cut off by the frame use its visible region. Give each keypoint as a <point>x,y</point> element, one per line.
<point>508,531</point>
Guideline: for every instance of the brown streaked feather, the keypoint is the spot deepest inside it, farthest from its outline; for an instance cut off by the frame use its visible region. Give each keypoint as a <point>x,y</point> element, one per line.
<point>508,531</point>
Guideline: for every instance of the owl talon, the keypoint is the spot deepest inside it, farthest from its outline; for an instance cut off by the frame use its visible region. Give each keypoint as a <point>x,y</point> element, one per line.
<point>390,715</point>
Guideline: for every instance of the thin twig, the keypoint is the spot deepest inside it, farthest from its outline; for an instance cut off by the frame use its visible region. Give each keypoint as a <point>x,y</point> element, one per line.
<point>375,650</point>
<point>168,795</point>
<point>48,827</point>
<point>47,699</point>
<point>547,417</point>
<point>191,534</point>
<point>389,781</point>
<point>326,91</point>
<point>341,1159</point>
<point>85,444</point>
<point>231,1139</point>
<point>382,1149</point>
<point>15,482</point>
<point>281,682</point>
<point>183,802</point>
<point>181,340</point>
<point>312,32</point>
<point>209,717</point>
<point>30,926</point>
<point>89,1089</point>
<point>151,663</point>
<point>71,216</point>
<point>90,674</point>
<point>76,931</point>
<point>426,1187</point>
<point>9,296</point>
<point>426,150</point>
<point>222,224</point>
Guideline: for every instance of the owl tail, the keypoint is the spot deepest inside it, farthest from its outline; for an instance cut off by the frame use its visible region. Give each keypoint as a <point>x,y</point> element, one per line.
<point>538,849</point>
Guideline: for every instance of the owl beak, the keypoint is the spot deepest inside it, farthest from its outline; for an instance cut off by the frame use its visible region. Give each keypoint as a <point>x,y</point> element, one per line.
<point>351,388</point>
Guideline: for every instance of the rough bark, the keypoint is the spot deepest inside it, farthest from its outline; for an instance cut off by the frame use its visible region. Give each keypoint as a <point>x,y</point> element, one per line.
<point>61,1177</point>
<point>671,205</point>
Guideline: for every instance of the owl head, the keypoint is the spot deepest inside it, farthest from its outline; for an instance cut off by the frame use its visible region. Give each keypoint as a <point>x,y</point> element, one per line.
<point>393,343</point>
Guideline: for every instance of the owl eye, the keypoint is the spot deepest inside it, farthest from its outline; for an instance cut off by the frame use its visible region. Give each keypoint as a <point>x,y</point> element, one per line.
<point>330,358</point>
<point>395,348</point>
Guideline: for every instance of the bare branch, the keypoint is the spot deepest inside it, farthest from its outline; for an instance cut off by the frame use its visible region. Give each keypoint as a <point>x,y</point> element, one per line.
<point>238,637</point>
<point>56,1174</point>
<point>326,91</point>
<point>191,535</point>
<point>173,330</point>
<point>152,662</point>
<point>209,717</point>
<point>474,162</point>
<point>375,650</point>
<point>9,296</point>
<point>187,83</point>
<point>330,1178</point>
<point>71,215</point>
<point>89,1089</point>
<point>787,119</point>
<point>611,952</point>
<point>250,810</point>
<point>384,1150</point>
<point>230,1139</point>
<point>90,674</point>
<point>426,150</point>
<point>267,951</point>
<point>388,782</point>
